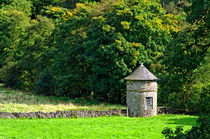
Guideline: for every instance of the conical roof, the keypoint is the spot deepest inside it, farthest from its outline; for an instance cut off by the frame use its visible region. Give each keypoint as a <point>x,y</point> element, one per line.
<point>141,73</point>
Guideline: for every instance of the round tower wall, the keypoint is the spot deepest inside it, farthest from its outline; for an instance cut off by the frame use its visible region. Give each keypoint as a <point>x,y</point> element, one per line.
<point>142,98</point>
<point>141,86</point>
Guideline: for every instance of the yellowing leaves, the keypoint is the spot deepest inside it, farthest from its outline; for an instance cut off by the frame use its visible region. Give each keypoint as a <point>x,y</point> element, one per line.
<point>141,17</point>
<point>158,21</point>
<point>99,20</point>
<point>59,12</point>
<point>135,45</point>
<point>69,14</point>
<point>125,24</point>
<point>126,11</point>
<point>135,57</point>
<point>118,42</point>
<point>136,53</point>
<point>81,5</point>
<point>54,9</point>
<point>106,28</point>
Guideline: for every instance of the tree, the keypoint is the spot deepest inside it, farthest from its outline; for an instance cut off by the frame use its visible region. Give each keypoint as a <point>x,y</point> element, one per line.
<point>102,43</point>
<point>31,50</point>
<point>23,43</point>
<point>199,15</point>
<point>185,61</point>
<point>12,25</point>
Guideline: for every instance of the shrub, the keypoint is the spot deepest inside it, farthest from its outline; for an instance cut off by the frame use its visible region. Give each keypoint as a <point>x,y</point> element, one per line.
<point>200,131</point>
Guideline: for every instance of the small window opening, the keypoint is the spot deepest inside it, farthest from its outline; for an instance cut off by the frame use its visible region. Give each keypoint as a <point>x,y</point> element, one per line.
<point>149,102</point>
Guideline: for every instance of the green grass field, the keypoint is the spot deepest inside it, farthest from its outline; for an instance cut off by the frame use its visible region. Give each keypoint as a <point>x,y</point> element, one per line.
<point>18,101</point>
<point>93,128</point>
<point>74,128</point>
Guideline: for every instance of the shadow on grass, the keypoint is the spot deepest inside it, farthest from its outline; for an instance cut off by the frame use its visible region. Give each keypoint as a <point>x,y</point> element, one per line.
<point>6,137</point>
<point>189,121</point>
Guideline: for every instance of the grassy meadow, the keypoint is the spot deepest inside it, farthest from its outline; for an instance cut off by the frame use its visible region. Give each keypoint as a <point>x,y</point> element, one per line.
<point>75,128</point>
<point>18,101</point>
<point>93,128</point>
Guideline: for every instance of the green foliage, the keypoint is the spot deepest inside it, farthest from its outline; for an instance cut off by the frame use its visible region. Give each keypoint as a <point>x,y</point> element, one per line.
<point>12,27</point>
<point>39,5</point>
<point>200,131</point>
<point>71,4</point>
<point>199,15</point>
<point>45,84</point>
<point>57,13</point>
<point>10,75</point>
<point>96,50</point>
<point>200,88</point>
<point>23,42</point>
<point>19,5</point>
<point>186,81</point>
<point>34,45</point>
<point>5,2</point>
<point>84,48</point>
<point>182,49</point>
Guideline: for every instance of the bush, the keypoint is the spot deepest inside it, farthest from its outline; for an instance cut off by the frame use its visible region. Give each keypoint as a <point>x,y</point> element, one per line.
<point>200,131</point>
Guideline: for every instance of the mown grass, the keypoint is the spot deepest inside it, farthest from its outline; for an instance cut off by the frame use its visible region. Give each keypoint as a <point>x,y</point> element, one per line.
<point>17,101</point>
<point>93,128</point>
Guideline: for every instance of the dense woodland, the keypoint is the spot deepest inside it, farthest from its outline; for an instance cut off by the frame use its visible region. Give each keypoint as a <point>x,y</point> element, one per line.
<point>84,48</point>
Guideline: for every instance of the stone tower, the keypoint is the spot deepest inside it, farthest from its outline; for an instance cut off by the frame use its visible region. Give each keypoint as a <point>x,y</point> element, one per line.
<point>141,92</point>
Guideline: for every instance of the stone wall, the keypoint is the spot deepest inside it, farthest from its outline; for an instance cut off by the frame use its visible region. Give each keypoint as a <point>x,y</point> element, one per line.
<point>84,113</point>
<point>62,114</point>
<point>167,110</point>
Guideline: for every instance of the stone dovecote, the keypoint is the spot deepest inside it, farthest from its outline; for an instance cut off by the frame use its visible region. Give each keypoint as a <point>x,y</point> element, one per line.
<point>141,90</point>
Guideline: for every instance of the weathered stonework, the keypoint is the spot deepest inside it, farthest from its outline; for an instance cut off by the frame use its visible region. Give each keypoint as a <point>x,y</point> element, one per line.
<point>141,91</point>
<point>84,113</point>
<point>136,102</point>
<point>62,114</point>
<point>141,86</point>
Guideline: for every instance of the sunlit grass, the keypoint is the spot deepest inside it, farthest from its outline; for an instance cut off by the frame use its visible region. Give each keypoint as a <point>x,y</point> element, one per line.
<point>17,101</point>
<point>93,128</point>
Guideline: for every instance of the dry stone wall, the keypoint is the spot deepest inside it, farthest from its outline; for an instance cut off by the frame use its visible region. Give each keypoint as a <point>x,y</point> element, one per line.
<point>62,114</point>
<point>84,113</point>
